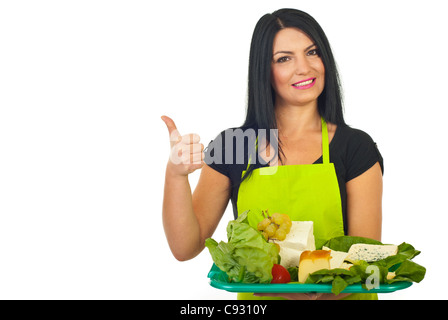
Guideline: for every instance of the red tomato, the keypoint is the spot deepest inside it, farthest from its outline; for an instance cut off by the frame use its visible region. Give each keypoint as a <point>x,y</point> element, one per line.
<point>280,274</point>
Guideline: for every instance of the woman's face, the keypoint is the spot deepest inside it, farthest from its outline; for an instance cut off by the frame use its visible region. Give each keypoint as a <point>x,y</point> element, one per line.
<point>297,71</point>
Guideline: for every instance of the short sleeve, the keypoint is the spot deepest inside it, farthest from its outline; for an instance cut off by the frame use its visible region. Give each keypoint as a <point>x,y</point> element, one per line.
<point>214,155</point>
<point>362,154</point>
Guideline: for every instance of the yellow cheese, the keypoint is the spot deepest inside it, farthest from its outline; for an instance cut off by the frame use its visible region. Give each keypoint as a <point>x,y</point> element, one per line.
<point>311,261</point>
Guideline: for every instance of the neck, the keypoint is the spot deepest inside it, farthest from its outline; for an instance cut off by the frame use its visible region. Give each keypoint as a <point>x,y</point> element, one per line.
<point>294,121</point>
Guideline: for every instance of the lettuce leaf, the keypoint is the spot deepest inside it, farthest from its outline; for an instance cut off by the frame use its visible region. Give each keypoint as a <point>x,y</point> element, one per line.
<point>247,257</point>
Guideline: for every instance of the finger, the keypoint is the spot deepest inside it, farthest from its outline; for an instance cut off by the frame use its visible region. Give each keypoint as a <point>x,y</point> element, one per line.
<point>192,148</point>
<point>315,295</point>
<point>193,158</point>
<point>191,138</point>
<point>196,158</point>
<point>289,296</point>
<point>172,129</point>
<point>312,296</point>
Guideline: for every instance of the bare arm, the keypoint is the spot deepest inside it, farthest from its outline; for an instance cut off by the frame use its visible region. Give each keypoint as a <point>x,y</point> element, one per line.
<point>364,204</point>
<point>189,219</point>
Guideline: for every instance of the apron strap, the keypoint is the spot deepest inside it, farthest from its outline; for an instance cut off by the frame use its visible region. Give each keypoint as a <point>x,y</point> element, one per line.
<point>325,145</point>
<point>250,154</point>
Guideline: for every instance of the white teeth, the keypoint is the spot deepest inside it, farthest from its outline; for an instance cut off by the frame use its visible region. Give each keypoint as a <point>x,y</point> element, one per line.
<point>301,84</point>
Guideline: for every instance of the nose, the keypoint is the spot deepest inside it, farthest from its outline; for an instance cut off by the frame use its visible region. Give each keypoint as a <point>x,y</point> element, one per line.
<point>302,66</point>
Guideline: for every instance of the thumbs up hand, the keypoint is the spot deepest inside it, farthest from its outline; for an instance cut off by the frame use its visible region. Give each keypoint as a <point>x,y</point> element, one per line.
<point>187,154</point>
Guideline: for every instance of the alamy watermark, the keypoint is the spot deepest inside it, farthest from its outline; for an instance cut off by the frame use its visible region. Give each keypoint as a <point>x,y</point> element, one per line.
<point>240,147</point>
<point>373,280</point>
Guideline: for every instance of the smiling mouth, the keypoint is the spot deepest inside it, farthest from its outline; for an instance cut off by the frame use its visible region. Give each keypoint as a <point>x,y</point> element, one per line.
<point>305,84</point>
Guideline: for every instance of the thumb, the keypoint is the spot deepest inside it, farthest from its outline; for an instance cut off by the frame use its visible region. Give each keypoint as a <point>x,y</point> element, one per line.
<point>172,129</point>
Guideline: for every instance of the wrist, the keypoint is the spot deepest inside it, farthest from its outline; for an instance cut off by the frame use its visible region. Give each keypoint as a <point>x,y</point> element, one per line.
<point>173,172</point>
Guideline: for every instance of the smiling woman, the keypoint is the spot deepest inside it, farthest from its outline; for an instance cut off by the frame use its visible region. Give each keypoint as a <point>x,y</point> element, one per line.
<point>299,67</point>
<point>289,47</point>
<point>325,171</point>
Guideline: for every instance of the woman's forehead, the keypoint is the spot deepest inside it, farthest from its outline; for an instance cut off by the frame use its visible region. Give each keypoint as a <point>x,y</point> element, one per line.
<point>290,39</point>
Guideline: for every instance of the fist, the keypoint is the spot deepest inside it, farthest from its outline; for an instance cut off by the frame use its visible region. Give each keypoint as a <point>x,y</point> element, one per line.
<point>187,153</point>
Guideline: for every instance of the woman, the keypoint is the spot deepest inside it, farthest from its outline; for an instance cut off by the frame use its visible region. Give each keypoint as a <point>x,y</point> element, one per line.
<point>294,89</point>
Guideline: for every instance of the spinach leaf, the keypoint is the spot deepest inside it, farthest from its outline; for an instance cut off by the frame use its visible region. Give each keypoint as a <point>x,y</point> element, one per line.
<point>343,243</point>
<point>409,271</point>
<point>405,269</point>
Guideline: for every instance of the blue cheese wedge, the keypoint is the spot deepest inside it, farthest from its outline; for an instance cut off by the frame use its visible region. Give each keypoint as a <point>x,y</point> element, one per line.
<point>370,252</point>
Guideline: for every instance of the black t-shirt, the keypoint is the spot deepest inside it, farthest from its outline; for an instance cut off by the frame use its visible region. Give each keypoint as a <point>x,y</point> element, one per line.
<point>351,150</point>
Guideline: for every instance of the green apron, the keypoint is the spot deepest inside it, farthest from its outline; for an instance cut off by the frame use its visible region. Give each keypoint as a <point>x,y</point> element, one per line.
<point>305,192</point>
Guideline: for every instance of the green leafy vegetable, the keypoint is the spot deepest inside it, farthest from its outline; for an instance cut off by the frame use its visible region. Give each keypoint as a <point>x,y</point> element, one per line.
<point>343,243</point>
<point>405,252</point>
<point>339,278</point>
<point>409,271</point>
<point>401,264</point>
<point>294,273</point>
<point>247,257</point>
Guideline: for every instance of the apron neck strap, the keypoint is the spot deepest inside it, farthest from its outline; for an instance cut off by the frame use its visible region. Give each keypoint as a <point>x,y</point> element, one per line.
<point>325,145</point>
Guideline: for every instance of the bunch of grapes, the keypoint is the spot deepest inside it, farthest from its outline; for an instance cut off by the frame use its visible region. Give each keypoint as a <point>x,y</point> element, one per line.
<point>276,226</point>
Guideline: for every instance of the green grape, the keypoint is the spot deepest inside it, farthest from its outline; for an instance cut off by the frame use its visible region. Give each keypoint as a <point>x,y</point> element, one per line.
<point>263,224</point>
<point>287,221</point>
<point>285,228</point>
<point>280,234</point>
<point>277,218</point>
<point>270,230</point>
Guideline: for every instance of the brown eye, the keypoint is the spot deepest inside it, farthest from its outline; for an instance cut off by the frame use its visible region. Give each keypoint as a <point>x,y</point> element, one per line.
<point>313,52</point>
<point>282,59</point>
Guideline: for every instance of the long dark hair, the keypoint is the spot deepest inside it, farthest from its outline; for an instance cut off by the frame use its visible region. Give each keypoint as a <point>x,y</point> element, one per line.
<point>261,95</point>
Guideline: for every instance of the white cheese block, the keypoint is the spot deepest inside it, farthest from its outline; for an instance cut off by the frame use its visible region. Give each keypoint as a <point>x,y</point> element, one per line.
<point>371,252</point>
<point>346,266</point>
<point>289,257</point>
<point>337,258</point>
<point>300,238</point>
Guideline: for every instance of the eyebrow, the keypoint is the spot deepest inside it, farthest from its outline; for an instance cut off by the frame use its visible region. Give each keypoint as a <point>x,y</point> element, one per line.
<point>290,52</point>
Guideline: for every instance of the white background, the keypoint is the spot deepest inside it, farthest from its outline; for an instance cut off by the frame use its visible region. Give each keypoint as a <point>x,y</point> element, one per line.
<point>83,149</point>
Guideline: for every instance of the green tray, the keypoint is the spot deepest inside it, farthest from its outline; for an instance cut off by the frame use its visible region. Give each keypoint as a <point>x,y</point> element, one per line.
<point>218,279</point>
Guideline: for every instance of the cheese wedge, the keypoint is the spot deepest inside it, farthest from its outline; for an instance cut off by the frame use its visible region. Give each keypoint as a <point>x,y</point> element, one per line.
<point>371,252</point>
<point>337,258</point>
<point>346,266</point>
<point>289,257</point>
<point>299,239</point>
<point>312,261</point>
<point>390,275</point>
